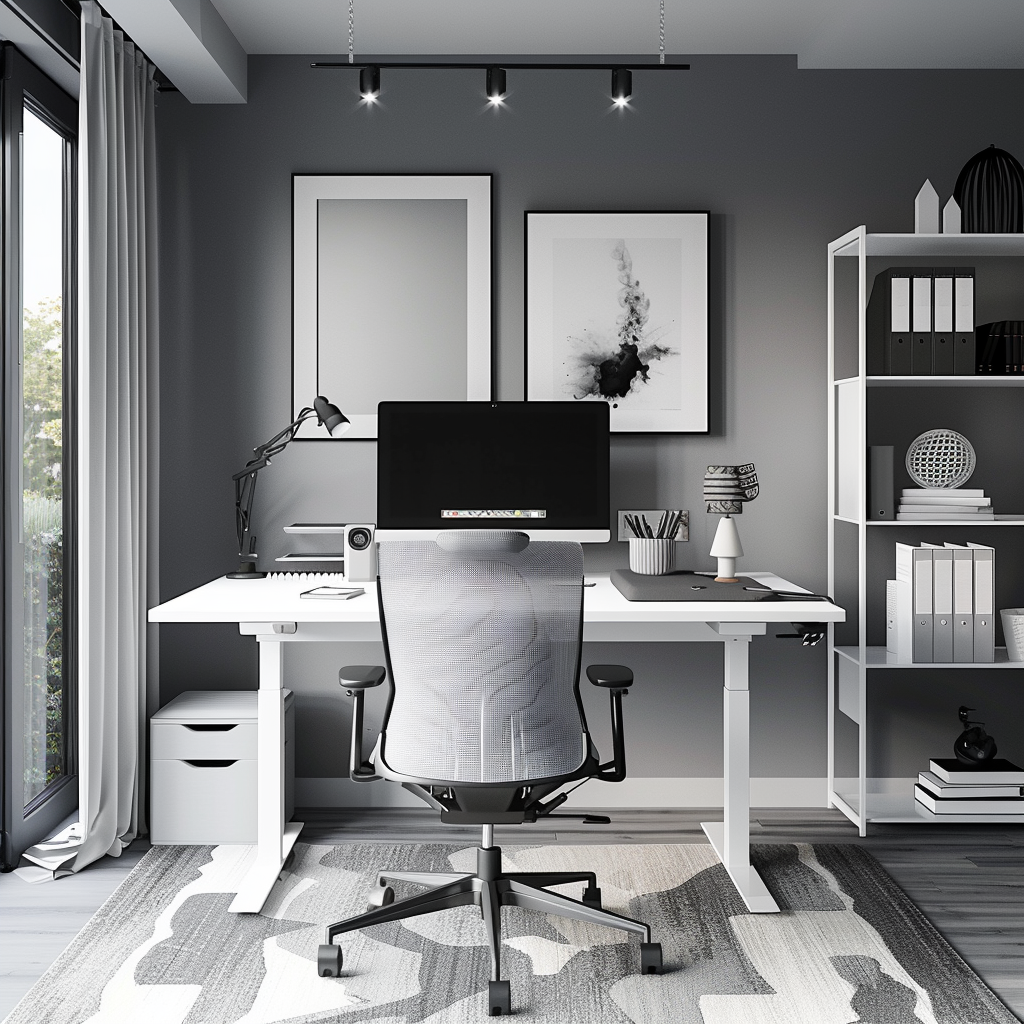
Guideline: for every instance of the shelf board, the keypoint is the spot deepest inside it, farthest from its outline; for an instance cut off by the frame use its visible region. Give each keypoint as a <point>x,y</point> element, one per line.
<point>313,528</point>
<point>903,809</point>
<point>1015,519</point>
<point>878,657</point>
<point>1000,520</point>
<point>887,244</point>
<point>312,556</point>
<point>927,381</point>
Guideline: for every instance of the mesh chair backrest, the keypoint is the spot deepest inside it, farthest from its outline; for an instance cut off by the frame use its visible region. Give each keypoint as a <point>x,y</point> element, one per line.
<point>483,636</point>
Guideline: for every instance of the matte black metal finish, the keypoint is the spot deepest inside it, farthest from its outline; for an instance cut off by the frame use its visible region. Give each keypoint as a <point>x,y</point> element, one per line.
<point>490,890</point>
<point>446,65</point>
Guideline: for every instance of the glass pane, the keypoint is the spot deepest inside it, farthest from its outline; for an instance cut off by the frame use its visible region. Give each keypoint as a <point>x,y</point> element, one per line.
<point>42,418</point>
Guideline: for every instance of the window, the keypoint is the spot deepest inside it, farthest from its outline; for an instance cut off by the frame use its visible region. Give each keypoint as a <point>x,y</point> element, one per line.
<point>38,480</point>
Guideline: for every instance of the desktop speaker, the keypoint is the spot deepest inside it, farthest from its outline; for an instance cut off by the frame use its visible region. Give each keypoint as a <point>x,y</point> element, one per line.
<point>360,553</point>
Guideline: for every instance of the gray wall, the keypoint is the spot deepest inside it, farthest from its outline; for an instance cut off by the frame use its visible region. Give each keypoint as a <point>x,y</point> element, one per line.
<point>785,160</point>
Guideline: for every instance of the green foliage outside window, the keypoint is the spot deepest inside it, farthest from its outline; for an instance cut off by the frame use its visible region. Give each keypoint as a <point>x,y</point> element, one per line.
<point>42,512</point>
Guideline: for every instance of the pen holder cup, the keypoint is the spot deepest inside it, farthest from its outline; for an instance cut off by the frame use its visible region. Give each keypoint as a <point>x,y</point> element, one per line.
<point>1013,631</point>
<point>652,557</point>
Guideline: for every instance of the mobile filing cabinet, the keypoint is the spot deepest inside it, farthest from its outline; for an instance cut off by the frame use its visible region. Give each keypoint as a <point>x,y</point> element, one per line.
<point>203,768</point>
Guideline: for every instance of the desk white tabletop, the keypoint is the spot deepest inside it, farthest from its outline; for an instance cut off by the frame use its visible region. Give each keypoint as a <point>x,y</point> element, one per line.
<point>276,599</point>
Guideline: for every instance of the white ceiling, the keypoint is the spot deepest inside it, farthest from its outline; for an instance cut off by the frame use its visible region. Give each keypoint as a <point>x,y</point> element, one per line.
<point>193,38</point>
<point>823,33</point>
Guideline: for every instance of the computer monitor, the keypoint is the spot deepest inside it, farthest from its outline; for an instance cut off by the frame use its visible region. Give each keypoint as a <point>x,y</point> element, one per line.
<point>538,467</point>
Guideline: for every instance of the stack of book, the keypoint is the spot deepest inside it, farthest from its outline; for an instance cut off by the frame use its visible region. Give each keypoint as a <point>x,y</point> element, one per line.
<point>944,503</point>
<point>989,787</point>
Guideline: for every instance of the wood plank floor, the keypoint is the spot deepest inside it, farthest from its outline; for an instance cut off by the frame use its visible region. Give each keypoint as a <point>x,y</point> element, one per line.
<point>967,879</point>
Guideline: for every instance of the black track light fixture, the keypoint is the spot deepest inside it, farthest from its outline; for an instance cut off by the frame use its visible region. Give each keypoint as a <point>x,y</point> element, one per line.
<point>369,82</point>
<point>496,85</point>
<point>622,76</point>
<point>622,85</point>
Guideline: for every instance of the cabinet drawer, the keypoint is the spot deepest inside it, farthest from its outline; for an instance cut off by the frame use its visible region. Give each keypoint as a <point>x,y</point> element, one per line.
<point>202,740</point>
<point>203,803</point>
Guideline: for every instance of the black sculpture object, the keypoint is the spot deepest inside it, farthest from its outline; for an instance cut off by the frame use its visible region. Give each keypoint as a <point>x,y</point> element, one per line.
<point>973,745</point>
<point>990,193</point>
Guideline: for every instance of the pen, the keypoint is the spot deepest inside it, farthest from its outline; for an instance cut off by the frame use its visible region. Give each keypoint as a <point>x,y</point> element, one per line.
<point>647,526</point>
<point>661,525</point>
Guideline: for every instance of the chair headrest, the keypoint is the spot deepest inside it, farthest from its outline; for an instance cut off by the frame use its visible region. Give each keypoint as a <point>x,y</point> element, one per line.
<point>482,542</point>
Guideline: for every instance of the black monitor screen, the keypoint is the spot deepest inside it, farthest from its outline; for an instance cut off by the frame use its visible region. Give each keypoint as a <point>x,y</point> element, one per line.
<point>541,467</point>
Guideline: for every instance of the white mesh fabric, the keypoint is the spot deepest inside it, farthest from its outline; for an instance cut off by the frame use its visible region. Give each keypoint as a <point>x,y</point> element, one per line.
<point>484,649</point>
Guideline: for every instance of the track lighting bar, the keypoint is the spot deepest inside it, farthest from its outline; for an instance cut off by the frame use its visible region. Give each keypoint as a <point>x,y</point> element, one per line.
<point>501,64</point>
<point>622,74</point>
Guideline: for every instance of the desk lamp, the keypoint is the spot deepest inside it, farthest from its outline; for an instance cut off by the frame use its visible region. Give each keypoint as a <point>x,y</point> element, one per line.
<point>327,415</point>
<point>726,488</point>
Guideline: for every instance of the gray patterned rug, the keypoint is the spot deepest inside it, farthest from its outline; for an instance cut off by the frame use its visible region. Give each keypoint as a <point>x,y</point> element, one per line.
<point>848,948</point>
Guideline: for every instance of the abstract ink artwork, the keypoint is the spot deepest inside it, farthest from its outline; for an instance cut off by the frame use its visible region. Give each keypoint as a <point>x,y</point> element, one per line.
<point>617,312</point>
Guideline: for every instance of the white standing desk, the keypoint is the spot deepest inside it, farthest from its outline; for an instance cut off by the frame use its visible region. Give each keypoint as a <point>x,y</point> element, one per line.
<point>271,610</point>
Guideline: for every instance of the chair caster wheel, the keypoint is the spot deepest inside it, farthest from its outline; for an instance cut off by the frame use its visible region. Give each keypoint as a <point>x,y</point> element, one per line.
<point>380,896</point>
<point>499,998</point>
<point>592,897</point>
<point>328,961</point>
<point>650,958</point>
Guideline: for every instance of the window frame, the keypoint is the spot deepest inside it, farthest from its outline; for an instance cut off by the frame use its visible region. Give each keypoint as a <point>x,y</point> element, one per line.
<point>23,84</point>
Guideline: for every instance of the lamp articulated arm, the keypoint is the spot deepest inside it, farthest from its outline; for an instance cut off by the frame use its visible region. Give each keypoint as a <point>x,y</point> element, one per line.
<point>329,416</point>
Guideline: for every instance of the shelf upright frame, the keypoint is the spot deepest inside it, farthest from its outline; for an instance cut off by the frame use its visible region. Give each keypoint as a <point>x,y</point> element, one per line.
<point>847,398</point>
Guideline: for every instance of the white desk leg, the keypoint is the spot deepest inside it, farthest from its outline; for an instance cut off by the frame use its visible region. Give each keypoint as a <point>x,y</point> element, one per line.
<point>274,839</point>
<point>731,837</point>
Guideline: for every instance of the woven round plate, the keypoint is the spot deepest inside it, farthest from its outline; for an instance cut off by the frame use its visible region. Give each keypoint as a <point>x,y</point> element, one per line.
<point>940,458</point>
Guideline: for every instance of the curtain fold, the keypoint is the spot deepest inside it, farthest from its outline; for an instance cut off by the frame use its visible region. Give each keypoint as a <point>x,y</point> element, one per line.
<point>116,352</point>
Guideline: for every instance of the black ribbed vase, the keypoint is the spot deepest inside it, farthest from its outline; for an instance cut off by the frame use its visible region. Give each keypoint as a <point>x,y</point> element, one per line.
<point>990,191</point>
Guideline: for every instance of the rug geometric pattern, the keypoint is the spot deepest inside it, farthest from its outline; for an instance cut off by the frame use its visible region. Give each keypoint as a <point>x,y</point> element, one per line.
<point>848,948</point>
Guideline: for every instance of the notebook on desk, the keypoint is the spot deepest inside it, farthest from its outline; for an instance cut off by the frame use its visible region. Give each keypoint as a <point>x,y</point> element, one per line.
<point>683,586</point>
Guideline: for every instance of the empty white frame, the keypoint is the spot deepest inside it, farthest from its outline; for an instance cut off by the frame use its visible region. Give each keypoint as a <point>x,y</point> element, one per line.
<point>391,291</point>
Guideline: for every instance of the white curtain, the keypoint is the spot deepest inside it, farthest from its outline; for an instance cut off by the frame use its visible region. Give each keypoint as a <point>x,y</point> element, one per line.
<point>116,360</point>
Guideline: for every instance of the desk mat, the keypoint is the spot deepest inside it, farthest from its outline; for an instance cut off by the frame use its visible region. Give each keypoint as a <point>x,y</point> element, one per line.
<point>682,586</point>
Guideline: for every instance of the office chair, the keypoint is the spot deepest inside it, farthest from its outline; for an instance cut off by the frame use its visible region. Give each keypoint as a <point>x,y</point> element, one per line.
<point>482,638</point>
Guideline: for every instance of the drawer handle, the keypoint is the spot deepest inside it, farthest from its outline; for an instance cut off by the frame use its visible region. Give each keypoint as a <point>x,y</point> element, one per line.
<point>210,764</point>
<point>212,727</point>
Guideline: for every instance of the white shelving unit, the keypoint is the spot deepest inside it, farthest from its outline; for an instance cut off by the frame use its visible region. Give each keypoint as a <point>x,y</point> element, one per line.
<point>857,546</point>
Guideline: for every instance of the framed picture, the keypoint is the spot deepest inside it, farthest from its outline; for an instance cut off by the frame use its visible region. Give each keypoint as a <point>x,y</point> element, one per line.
<point>617,312</point>
<point>391,291</point>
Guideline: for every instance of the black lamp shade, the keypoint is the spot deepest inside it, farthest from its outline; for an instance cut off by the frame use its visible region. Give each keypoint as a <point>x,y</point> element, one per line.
<point>622,84</point>
<point>331,417</point>
<point>369,81</point>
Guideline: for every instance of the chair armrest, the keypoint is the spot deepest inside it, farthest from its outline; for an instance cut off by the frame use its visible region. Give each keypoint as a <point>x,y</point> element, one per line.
<point>616,677</point>
<point>357,679</point>
<point>361,677</point>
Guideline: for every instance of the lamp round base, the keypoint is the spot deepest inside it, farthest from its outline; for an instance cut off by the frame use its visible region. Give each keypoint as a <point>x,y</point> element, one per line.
<point>727,579</point>
<point>247,571</point>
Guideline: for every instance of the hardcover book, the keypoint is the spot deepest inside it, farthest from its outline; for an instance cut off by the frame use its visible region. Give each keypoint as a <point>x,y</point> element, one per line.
<point>995,772</point>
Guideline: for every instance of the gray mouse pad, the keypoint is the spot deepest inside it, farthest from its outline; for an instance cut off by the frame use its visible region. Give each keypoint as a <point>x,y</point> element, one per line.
<point>682,586</point>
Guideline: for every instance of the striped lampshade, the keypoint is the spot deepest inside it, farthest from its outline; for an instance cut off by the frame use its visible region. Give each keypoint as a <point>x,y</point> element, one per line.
<point>727,487</point>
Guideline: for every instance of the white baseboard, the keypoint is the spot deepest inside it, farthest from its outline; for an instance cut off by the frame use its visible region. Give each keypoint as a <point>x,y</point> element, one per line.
<point>646,793</point>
